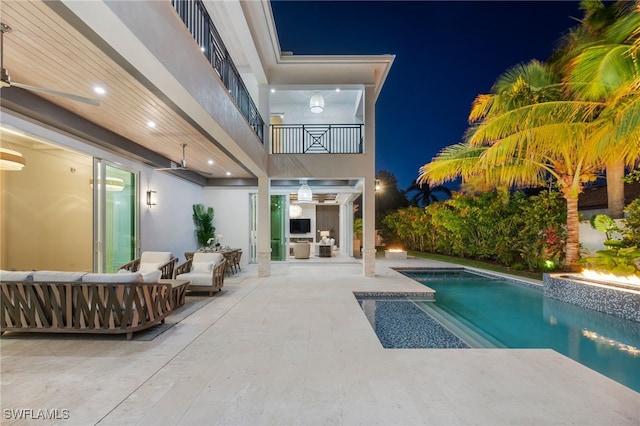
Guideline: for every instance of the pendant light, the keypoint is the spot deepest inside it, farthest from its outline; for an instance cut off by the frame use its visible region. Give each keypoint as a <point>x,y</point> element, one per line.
<point>316,103</point>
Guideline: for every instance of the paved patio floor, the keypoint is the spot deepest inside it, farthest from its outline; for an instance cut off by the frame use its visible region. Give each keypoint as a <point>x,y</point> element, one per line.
<point>295,348</point>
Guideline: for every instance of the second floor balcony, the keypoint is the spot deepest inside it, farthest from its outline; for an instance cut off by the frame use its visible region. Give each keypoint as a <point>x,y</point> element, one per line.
<point>317,139</point>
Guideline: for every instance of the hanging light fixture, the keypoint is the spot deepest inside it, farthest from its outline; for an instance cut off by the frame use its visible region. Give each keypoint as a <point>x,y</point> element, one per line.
<point>295,211</point>
<point>304,193</point>
<point>316,103</point>
<point>11,160</point>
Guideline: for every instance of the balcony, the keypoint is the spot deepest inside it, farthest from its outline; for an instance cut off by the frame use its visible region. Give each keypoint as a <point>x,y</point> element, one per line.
<point>317,139</point>
<point>197,20</point>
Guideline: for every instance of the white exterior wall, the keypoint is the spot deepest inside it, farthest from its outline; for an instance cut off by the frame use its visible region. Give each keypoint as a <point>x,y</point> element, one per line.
<point>231,216</point>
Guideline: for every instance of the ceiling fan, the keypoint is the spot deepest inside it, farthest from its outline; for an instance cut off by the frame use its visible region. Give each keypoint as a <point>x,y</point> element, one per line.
<point>183,163</point>
<point>5,80</point>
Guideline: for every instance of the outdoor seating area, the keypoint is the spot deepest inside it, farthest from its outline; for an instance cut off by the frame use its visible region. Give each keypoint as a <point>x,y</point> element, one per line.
<point>78,302</point>
<point>152,260</point>
<point>204,271</point>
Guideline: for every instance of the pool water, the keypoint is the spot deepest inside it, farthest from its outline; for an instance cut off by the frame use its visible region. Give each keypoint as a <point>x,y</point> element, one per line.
<point>485,311</point>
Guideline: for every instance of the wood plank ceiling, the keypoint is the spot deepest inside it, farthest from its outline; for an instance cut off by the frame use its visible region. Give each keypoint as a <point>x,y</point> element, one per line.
<point>43,50</point>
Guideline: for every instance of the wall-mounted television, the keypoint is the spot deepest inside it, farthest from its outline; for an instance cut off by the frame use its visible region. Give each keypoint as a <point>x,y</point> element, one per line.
<point>299,226</point>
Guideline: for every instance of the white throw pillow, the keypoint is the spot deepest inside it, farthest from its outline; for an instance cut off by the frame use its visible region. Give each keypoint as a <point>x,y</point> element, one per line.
<point>147,267</point>
<point>201,267</point>
<point>152,277</point>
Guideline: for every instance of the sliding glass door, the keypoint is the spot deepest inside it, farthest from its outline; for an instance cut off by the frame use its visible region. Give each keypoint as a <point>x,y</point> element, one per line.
<point>116,216</point>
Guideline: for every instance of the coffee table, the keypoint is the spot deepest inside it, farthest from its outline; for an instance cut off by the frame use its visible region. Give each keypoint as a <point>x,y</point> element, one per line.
<point>178,291</point>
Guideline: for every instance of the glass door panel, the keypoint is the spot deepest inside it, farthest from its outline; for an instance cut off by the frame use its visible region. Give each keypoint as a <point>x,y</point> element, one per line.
<point>278,204</point>
<point>116,227</point>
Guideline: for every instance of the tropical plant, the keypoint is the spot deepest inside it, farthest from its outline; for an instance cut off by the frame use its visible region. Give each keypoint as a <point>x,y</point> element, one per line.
<point>524,131</point>
<point>424,193</point>
<point>203,220</point>
<point>603,67</point>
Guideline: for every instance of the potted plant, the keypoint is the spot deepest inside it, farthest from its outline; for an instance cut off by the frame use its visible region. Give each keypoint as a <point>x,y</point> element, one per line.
<point>203,219</point>
<point>357,236</point>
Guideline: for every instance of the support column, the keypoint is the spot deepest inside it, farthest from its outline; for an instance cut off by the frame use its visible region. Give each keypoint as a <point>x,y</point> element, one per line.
<point>264,228</point>
<point>369,228</point>
<point>368,194</point>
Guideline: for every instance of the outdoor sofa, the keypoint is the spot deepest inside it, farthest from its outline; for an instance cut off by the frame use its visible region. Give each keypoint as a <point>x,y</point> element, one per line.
<point>78,302</point>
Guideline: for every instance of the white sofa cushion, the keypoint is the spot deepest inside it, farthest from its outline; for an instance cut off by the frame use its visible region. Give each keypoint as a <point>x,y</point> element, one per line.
<point>147,267</point>
<point>196,279</point>
<point>57,276</point>
<point>214,258</point>
<point>152,277</point>
<point>202,267</point>
<point>159,257</point>
<point>121,277</point>
<point>16,275</point>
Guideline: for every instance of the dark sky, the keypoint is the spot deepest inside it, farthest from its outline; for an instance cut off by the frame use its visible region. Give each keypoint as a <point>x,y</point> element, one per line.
<point>447,52</point>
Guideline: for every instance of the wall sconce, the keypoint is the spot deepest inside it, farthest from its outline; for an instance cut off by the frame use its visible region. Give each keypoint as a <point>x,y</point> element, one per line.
<point>152,198</point>
<point>378,185</point>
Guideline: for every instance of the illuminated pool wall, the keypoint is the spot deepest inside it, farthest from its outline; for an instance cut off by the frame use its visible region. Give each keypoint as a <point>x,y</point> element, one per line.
<point>618,301</point>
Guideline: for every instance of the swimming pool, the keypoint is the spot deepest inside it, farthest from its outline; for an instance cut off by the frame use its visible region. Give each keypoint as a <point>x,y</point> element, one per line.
<point>476,310</point>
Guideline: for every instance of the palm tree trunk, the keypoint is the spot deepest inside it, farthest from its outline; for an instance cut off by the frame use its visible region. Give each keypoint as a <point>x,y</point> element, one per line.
<point>615,188</point>
<point>572,249</point>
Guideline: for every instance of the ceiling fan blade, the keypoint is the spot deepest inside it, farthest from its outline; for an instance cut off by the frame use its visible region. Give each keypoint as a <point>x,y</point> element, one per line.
<point>77,98</point>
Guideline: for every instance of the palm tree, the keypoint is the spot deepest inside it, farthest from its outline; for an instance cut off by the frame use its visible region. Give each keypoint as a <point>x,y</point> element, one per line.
<point>424,193</point>
<point>525,131</point>
<point>606,69</point>
<point>601,64</point>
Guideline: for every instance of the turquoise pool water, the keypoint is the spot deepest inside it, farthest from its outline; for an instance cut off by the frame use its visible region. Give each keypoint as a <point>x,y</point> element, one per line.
<point>484,311</point>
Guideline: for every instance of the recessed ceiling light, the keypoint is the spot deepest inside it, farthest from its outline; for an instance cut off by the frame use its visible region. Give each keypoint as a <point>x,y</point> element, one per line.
<point>151,124</point>
<point>202,48</point>
<point>228,173</point>
<point>273,90</point>
<point>338,89</point>
<point>210,161</point>
<point>99,90</point>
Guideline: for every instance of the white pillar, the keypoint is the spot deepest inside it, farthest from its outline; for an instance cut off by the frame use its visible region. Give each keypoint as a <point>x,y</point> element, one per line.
<point>264,228</point>
<point>368,192</point>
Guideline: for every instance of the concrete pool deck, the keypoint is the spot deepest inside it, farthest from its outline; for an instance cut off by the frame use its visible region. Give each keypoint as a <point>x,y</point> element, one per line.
<point>295,348</point>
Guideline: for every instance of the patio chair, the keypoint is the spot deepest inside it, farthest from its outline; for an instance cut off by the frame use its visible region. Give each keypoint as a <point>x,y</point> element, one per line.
<point>204,271</point>
<point>150,261</point>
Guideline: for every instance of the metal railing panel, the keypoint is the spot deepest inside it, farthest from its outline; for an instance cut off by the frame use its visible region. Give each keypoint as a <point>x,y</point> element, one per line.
<point>197,20</point>
<point>317,139</point>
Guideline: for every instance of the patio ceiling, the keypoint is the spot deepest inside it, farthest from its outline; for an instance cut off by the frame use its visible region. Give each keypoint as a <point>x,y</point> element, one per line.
<point>44,50</point>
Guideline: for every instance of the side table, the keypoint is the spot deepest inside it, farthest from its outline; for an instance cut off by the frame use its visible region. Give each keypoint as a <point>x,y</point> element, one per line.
<point>324,251</point>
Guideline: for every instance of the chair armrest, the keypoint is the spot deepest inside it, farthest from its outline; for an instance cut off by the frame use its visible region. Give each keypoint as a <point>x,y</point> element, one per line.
<point>167,268</point>
<point>218,274</point>
<point>132,266</point>
<point>183,268</point>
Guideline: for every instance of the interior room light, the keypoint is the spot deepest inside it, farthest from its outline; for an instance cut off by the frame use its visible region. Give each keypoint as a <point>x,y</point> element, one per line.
<point>99,90</point>
<point>325,234</point>
<point>316,103</point>
<point>304,193</point>
<point>112,184</point>
<point>295,211</point>
<point>11,160</point>
<point>152,198</point>
<point>151,124</point>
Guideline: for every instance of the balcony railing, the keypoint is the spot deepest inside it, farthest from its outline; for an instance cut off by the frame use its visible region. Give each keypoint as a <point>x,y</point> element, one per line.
<point>317,139</point>
<point>197,20</point>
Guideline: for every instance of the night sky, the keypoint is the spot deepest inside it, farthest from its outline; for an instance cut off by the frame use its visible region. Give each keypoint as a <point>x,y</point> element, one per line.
<point>446,54</point>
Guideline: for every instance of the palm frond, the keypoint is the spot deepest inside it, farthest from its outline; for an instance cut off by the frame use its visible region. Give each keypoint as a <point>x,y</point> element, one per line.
<point>599,71</point>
